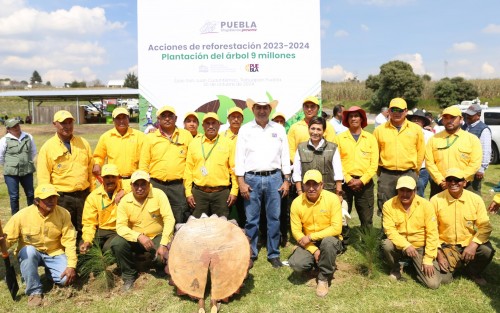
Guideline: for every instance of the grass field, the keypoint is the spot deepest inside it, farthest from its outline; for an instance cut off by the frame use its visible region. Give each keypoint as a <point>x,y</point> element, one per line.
<point>271,290</point>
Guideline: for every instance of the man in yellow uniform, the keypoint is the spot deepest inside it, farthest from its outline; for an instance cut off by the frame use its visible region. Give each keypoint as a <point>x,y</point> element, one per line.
<point>495,204</point>
<point>411,229</point>
<point>99,213</point>
<point>464,229</point>
<point>163,156</point>
<point>144,223</point>
<point>65,161</point>
<point>299,132</point>
<point>209,171</point>
<point>120,145</point>
<point>452,148</point>
<point>316,220</point>
<point>402,149</point>
<point>359,157</point>
<point>191,123</point>
<point>45,237</point>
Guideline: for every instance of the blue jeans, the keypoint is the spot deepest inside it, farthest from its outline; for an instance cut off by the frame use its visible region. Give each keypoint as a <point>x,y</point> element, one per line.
<point>423,179</point>
<point>29,261</point>
<point>264,188</point>
<point>12,183</point>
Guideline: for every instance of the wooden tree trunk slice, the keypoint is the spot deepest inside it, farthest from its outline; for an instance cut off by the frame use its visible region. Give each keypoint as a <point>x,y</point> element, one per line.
<point>209,243</point>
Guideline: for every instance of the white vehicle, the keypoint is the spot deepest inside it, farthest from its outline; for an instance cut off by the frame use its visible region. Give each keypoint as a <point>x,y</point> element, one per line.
<point>491,117</point>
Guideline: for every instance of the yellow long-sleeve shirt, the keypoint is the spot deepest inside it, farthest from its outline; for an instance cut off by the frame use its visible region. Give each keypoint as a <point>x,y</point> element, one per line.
<point>219,164</point>
<point>417,227</point>
<point>299,132</point>
<point>359,158</point>
<point>68,172</point>
<point>464,152</point>
<point>53,234</point>
<point>123,151</point>
<point>461,220</point>
<point>99,212</point>
<point>400,150</point>
<point>164,158</point>
<point>496,198</point>
<point>320,219</point>
<point>229,134</point>
<point>152,218</point>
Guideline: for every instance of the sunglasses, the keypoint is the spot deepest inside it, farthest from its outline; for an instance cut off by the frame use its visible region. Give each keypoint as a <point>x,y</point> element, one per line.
<point>454,180</point>
<point>396,110</point>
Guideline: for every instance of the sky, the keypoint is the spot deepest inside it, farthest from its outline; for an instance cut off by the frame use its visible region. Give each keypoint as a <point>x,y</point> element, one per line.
<point>97,40</point>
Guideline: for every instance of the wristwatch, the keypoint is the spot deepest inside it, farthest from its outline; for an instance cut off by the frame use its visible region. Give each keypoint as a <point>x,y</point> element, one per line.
<point>288,179</point>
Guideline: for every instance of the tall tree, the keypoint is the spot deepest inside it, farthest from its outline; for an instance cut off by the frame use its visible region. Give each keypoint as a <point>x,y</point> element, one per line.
<point>452,91</point>
<point>396,79</point>
<point>35,78</point>
<point>131,81</point>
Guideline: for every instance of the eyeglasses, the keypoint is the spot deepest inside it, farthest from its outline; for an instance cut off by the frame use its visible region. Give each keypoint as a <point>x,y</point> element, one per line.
<point>396,110</point>
<point>454,180</point>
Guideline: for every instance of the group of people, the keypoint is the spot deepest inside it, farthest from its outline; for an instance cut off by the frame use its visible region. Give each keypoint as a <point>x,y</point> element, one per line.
<point>150,182</point>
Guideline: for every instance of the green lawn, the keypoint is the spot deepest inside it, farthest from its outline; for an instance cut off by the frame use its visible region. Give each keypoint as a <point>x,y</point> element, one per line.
<point>271,290</point>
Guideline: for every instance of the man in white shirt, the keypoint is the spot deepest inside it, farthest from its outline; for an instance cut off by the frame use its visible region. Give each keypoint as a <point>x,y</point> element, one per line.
<point>262,155</point>
<point>336,120</point>
<point>381,118</point>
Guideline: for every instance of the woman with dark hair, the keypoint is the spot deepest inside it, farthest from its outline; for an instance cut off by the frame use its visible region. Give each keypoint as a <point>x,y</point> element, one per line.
<point>17,152</point>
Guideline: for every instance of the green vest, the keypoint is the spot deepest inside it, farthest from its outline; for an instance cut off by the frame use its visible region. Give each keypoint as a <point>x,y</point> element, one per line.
<point>321,160</point>
<point>18,160</point>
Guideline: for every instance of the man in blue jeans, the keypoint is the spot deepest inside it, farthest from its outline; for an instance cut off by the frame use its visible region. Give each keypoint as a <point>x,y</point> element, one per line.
<point>262,155</point>
<point>45,237</point>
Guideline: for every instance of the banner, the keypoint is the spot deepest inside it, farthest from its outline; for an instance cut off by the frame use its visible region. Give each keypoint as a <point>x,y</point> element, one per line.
<point>211,55</point>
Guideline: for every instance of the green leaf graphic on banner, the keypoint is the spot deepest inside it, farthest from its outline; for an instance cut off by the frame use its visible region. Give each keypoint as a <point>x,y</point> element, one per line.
<point>247,115</point>
<point>225,103</point>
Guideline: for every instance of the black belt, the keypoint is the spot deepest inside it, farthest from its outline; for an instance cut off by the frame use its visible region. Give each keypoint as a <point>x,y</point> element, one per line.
<point>209,189</point>
<point>75,194</point>
<point>394,172</point>
<point>263,173</point>
<point>167,182</point>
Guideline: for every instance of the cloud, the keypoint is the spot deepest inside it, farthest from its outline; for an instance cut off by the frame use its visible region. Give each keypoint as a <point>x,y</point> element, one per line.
<point>335,73</point>
<point>492,29</point>
<point>324,25</point>
<point>385,3</point>
<point>364,28</point>
<point>464,46</point>
<point>487,69</point>
<point>415,60</point>
<point>341,33</point>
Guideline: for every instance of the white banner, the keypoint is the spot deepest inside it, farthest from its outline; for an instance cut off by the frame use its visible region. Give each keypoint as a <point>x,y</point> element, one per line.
<point>210,55</point>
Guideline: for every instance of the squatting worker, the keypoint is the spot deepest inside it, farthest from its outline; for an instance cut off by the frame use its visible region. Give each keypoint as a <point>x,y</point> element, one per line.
<point>359,155</point>
<point>316,219</point>
<point>262,157</point>
<point>402,149</point>
<point>120,145</point>
<point>45,237</point>
<point>209,179</point>
<point>66,162</point>
<point>164,157</point>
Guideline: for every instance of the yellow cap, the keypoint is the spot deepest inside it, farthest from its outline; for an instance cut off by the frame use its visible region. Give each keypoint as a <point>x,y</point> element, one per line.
<point>453,111</point>
<point>139,174</point>
<point>398,103</point>
<point>191,114</point>
<point>406,182</point>
<point>44,191</point>
<point>312,99</point>
<point>455,172</point>
<point>109,170</point>
<point>119,111</point>
<point>60,116</point>
<point>234,109</point>
<point>279,114</point>
<point>211,115</point>
<point>312,175</point>
<point>165,109</point>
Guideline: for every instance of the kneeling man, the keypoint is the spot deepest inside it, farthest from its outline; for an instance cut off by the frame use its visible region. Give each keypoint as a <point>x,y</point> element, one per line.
<point>144,222</point>
<point>464,229</point>
<point>410,225</point>
<point>45,237</point>
<point>316,221</point>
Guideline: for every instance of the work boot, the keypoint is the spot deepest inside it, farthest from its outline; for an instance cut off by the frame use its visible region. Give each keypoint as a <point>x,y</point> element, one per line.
<point>128,284</point>
<point>322,288</point>
<point>35,300</point>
